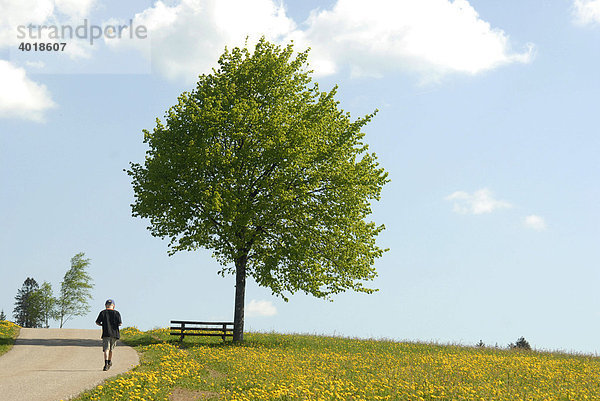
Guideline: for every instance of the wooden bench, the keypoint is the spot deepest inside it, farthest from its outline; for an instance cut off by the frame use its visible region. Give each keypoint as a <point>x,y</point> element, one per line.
<point>208,329</point>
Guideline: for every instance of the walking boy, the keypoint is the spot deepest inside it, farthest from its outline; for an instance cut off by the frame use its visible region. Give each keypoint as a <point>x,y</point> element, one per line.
<point>110,320</point>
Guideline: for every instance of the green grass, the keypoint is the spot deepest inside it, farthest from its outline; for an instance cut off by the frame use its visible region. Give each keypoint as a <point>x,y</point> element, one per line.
<point>271,366</point>
<point>8,333</point>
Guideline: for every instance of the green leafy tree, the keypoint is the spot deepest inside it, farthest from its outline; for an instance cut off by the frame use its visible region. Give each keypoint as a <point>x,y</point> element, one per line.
<point>47,303</point>
<point>265,170</point>
<point>2,315</point>
<point>28,309</point>
<point>74,290</point>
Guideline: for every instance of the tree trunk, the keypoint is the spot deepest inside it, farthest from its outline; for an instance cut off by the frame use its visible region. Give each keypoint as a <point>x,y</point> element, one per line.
<point>240,292</point>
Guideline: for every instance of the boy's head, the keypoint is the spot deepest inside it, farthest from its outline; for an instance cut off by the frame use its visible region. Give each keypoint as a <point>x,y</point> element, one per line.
<point>110,304</point>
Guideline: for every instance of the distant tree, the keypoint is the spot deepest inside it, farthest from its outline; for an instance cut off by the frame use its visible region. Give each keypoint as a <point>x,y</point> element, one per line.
<point>520,344</point>
<point>28,310</point>
<point>2,315</point>
<point>74,290</point>
<point>45,299</point>
<point>265,170</point>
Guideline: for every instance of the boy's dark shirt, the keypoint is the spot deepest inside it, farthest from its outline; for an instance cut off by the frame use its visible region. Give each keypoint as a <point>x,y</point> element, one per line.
<point>110,320</point>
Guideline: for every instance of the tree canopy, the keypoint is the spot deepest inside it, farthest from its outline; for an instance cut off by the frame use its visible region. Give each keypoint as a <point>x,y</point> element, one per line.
<point>260,166</point>
<point>47,303</point>
<point>74,290</point>
<point>28,307</point>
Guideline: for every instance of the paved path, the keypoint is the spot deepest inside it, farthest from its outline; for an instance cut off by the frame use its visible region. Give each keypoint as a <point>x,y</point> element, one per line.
<point>56,364</point>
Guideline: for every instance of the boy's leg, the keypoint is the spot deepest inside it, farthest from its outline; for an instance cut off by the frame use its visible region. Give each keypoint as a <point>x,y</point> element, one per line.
<point>112,345</point>
<point>105,351</point>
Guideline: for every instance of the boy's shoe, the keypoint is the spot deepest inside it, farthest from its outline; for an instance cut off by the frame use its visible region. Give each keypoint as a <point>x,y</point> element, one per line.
<point>109,363</point>
<point>106,367</point>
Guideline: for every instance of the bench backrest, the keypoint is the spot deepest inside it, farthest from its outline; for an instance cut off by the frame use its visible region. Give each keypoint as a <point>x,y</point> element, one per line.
<point>186,322</point>
<point>192,328</point>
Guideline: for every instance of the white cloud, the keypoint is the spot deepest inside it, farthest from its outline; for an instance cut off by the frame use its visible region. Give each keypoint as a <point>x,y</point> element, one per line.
<point>260,308</point>
<point>38,12</point>
<point>535,222</point>
<point>587,11</point>
<point>187,38</point>
<point>15,13</point>
<point>431,37</point>
<point>479,202</point>
<point>20,97</point>
<point>75,8</point>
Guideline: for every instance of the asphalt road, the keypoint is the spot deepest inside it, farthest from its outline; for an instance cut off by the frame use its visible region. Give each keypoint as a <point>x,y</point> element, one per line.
<point>57,364</point>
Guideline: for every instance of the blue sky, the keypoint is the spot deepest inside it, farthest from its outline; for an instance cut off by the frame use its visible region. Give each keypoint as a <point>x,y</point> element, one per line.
<point>487,127</point>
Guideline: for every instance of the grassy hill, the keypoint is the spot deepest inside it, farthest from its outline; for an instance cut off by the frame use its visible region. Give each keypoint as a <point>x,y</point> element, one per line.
<point>302,367</point>
<point>8,332</point>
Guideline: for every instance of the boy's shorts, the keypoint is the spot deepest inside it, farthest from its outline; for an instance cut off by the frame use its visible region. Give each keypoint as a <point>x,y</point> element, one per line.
<point>108,343</point>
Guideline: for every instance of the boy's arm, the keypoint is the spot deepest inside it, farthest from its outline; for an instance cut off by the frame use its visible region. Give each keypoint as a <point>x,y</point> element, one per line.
<point>99,320</point>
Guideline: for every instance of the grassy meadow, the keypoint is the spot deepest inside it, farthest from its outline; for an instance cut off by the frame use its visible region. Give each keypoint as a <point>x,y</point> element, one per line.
<point>303,367</point>
<point>8,332</point>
